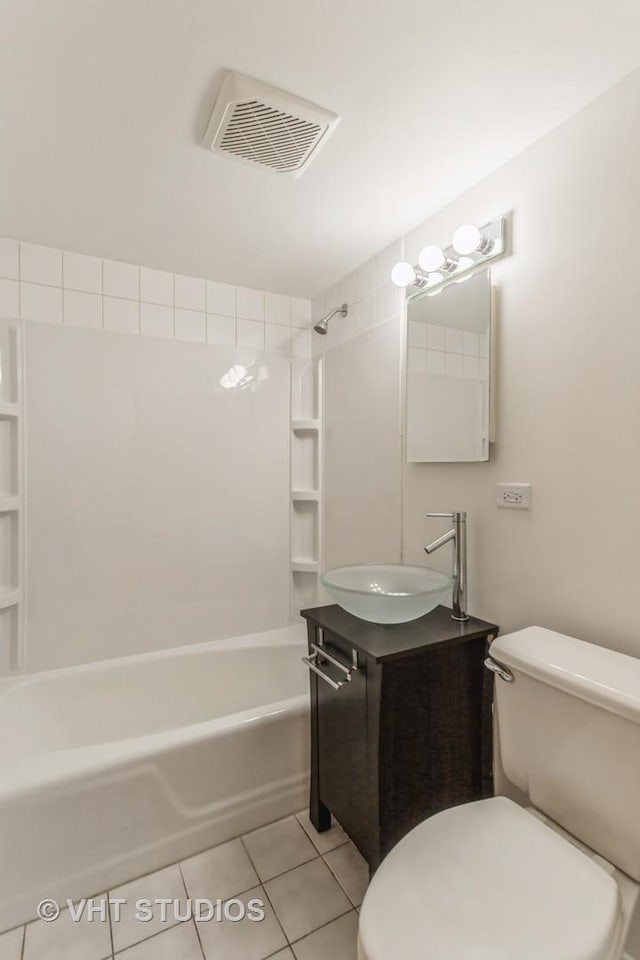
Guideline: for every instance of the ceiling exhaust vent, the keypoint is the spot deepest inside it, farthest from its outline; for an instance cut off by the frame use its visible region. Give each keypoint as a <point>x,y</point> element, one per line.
<point>261,125</point>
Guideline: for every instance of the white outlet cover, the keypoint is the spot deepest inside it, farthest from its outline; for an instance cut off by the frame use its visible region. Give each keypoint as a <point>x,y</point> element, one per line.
<point>515,496</point>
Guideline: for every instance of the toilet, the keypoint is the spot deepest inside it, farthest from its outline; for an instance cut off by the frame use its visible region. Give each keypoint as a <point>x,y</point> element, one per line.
<point>550,868</point>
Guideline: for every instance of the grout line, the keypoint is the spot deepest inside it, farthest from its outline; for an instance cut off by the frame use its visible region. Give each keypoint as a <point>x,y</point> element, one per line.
<point>322,925</point>
<point>110,925</point>
<point>342,886</point>
<point>188,892</point>
<point>24,941</point>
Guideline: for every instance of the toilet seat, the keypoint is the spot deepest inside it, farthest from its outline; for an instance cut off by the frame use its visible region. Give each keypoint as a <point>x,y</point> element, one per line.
<point>489,881</point>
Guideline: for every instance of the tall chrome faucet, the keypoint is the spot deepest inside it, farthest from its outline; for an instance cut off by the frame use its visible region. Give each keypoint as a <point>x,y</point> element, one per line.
<point>459,573</point>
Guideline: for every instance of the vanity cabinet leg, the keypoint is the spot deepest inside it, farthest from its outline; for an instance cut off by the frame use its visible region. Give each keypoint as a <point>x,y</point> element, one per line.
<point>319,814</point>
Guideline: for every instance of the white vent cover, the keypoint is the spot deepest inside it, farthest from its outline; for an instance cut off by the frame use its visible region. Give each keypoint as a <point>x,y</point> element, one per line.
<point>259,124</point>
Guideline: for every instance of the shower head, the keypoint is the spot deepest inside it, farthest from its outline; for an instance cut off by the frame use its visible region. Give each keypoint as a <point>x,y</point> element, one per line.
<point>322,325</point>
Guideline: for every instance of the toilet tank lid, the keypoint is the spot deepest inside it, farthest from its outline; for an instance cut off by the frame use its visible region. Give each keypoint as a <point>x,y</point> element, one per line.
<point>606,678</point>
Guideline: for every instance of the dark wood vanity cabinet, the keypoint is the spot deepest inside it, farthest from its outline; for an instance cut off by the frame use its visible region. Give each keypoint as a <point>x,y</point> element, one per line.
<point>400,722</point>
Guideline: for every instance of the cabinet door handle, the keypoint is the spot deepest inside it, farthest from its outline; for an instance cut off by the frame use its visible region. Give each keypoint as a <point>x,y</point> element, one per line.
<point>312,664</point>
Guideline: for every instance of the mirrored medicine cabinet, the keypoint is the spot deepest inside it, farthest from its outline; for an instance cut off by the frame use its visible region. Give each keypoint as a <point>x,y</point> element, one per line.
<point>448,371</point>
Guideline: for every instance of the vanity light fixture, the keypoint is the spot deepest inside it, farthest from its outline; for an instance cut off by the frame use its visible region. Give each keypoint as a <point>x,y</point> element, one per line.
<point>437,267</point>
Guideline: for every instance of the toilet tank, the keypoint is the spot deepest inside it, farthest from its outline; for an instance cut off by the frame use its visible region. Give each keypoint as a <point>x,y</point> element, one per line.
<point>568,736</point>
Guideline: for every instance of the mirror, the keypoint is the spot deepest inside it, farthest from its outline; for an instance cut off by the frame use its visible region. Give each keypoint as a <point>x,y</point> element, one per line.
<point>448,367</point>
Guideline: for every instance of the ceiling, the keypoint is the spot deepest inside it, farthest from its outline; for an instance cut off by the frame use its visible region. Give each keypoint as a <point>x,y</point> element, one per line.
<point>105,102</point>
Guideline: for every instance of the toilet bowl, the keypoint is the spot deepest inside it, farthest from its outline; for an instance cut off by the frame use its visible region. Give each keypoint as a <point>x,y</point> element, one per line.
<point>554,876</point>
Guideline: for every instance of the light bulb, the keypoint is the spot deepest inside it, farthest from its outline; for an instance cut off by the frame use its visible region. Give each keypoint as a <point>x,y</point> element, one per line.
<point>468,238</point>
<point>431,258</point>
<point>434,279</point>
<point>403,274</point>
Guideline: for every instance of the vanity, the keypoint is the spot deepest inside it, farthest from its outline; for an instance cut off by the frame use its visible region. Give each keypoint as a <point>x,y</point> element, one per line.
<point>400,721</point>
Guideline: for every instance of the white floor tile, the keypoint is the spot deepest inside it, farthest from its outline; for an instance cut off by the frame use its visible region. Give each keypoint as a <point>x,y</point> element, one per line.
<point>352,871</point>
<point>306,898</point>
<point>179,943</point>
<point>336,941</point>
<point>163,883</point>
<point>65,939</point>
<point>245,939</point>
<point>11,944</point>
<point>279,847</point>
<point>221,872</point>
<point>331,838</point>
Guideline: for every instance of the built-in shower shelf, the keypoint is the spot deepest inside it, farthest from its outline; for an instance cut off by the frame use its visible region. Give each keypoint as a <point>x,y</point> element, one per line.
<point>305,479</point>
<point>11,496</point>
<point>305,566</point>
<point>303,426</point>
<point>8,598</point>
<point>313,495</point>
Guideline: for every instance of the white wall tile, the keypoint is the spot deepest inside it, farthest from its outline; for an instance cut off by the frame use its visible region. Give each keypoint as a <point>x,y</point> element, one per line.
<point>82,309</point>
<point>482,345</point>
<point>388,303</point>
<point>156,286</point>
<point>221,298</point>
<point>121,280</point>
<point>249,304</point>
<point>9,298</point>
<point>221,329</point>
<point>453,364</point>
<point>417,360</point>
<point>436,361</point>
<point>80,272</point>
<point>38,302</point>
<point>436,337</point>
<point>190,325</point>
<point>471,368</point>
<point>250,333</point>
<point>453,341</point>
<point>156,320</point>
<point>121,316</point>
<point>301,345</point>
<point>470,344</point>
<point>366,279</point>
<point>40,264</point>
<point>417,334</point>
<point>300,312</point>
<point>8,259</point>
<point>317,308</point>
<point>277,339</point>
<point>367,309</point>
<point>190,293</point>
<point>385,262</point>
<point>277,309</point>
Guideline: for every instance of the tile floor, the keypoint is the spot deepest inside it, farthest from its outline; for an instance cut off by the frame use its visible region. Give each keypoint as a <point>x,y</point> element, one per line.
<point>311,885</point>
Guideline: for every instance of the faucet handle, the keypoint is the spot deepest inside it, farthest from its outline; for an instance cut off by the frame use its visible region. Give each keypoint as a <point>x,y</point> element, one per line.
<point>457,515</point>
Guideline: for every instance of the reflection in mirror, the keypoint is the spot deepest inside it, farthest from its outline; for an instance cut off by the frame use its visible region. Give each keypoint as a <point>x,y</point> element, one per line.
<point>448,389</point>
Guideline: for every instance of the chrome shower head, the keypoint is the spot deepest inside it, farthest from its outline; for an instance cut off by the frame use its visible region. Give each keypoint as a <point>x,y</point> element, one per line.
<point>322,325</point>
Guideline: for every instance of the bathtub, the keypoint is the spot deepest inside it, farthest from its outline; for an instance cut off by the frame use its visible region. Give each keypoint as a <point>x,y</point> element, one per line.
<point>114,769</point>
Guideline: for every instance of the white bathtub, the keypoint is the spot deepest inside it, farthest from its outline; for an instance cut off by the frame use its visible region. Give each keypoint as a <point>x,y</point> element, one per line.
<point>113,769</point>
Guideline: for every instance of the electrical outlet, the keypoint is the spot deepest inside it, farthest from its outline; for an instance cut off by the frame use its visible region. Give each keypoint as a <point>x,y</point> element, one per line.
<point>517,496</point>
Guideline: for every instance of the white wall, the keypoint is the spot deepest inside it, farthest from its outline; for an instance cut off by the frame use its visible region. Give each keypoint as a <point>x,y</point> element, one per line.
<point>157,501</point>
<point>568,390</point>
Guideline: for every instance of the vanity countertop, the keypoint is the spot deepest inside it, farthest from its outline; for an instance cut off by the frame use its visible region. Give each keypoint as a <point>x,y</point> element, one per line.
<point>391,641</point>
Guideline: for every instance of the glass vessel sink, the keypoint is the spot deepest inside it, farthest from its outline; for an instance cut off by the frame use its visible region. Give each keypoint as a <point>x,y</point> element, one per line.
<point>387,592</point>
